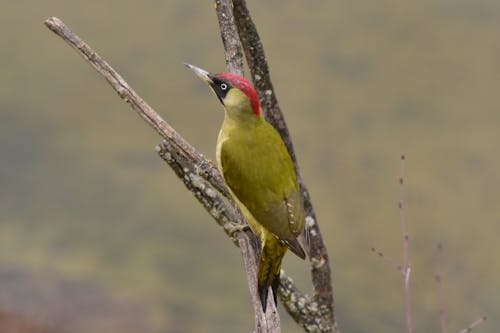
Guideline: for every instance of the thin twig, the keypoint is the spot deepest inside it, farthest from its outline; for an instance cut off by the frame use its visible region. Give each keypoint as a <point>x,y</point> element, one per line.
<point>388,260</point>
<point>473,325</point>
<point>406,263</point>
<point>440,293</point>
<point>405,268</point>
<point>439,283</point>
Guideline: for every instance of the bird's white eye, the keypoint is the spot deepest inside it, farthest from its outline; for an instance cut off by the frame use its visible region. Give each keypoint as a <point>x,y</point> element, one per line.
<point>223,86</point>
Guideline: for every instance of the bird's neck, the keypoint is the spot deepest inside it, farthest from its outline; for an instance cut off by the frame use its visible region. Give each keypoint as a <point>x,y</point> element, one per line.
<point>237,127</point>
<point>240,119</point>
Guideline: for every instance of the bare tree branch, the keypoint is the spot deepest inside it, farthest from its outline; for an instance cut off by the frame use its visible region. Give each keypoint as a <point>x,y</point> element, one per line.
<point>234,63</point>
<point>317,313</point>
<point>229,35</point>
<point>320,267</point>
<point>136,102</point>
<point>199,175</point>
<point>204,180</point>
<point>225,213</point>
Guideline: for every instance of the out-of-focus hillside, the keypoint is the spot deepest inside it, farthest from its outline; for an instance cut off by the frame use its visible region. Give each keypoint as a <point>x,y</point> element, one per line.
<point>84,197</point>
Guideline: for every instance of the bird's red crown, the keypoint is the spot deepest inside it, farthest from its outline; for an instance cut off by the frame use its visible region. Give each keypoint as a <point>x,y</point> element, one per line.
<point>244,85</point>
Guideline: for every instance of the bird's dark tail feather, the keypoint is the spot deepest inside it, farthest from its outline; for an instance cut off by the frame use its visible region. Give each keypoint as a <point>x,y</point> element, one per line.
<point>263,292</point>
<point>269,271</point>
<point>272,280</point>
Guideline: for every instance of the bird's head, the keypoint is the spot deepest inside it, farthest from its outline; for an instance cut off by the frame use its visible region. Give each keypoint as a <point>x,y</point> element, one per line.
<point>235,92</point>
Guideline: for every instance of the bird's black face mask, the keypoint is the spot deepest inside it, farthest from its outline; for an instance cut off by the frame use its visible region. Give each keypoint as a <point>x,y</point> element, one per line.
<point>220,87</point>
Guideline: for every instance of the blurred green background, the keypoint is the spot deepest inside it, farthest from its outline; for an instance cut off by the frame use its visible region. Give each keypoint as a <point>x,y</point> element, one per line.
<point>97,234</point>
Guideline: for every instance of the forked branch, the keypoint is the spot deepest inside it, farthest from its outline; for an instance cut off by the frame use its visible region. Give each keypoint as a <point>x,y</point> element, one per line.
<point>323,319</point>
<point>200,176</point>
<point>314,313</point>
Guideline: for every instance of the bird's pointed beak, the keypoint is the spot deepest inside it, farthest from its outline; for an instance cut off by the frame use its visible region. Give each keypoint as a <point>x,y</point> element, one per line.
<point>201,73</point>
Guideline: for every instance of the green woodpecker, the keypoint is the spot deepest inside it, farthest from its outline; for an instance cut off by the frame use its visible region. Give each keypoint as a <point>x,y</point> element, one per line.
<point>259,172</point>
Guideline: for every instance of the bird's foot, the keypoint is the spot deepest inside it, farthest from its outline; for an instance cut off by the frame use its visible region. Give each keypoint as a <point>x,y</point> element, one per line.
<point>233,228</point>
